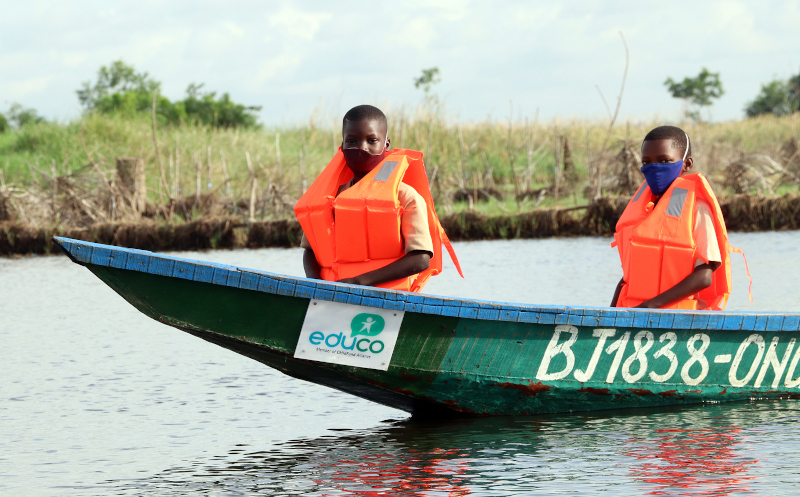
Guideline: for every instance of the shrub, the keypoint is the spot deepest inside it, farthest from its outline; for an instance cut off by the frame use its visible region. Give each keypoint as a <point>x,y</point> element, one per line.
<point>121,90</point>
<point>779,97</point>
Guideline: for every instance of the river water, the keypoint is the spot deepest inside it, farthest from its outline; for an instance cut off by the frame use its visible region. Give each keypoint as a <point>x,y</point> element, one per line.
<point>96,399</point>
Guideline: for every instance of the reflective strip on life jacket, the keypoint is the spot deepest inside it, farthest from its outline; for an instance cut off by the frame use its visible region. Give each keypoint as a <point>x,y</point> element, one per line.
<point>657,248</point>
<point>359,230</point>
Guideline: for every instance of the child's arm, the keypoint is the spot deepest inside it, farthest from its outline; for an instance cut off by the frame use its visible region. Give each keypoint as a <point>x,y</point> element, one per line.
<point>416,239</point>
<point>412,263</point>
<point>311,265</point>
<point>616,292</point>
<point>700,279</point>
<point>705,237</point>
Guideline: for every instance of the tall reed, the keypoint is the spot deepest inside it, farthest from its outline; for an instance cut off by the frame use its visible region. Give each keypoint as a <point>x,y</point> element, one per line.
<point>509,164</point>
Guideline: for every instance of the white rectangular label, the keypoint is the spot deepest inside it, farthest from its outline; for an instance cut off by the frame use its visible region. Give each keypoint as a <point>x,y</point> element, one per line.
<point>352,335</point>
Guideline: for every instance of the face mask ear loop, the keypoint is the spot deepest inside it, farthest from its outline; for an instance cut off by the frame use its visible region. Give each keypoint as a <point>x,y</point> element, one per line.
<point>685,152</point>
<point>687,146</point>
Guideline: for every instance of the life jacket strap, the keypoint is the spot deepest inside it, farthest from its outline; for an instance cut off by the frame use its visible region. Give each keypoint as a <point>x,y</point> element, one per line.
<point>750,286</point>
<point>449,247</point>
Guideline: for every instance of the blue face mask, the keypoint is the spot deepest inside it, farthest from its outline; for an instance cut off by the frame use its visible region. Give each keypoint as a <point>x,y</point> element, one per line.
<point>660,175</point>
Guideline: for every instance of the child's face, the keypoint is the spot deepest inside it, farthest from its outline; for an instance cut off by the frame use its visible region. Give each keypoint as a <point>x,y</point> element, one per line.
<point>367,135</point>
<point>660,151</point>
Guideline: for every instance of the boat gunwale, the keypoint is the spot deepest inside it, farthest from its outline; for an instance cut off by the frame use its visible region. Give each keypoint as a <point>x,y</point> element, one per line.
<point>86,253</point>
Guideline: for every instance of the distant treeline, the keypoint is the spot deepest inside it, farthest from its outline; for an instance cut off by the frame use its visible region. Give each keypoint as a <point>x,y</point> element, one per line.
<point>779,97</point>
<point>120,89</point>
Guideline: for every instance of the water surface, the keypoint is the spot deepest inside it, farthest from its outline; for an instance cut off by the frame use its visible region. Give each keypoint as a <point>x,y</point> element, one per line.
<point>97,399</point>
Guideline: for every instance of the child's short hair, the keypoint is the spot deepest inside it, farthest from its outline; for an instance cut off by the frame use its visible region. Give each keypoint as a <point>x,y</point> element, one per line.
<point>365,112</point>
<point>677,135</point>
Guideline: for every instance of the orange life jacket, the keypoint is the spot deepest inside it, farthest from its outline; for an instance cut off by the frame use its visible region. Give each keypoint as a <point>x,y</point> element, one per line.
<point>359,230</point>
<point>658,250</point>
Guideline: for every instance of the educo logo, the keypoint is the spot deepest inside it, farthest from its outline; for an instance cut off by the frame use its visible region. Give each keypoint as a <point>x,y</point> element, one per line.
<point>347,334</point>
<point>368,325</point>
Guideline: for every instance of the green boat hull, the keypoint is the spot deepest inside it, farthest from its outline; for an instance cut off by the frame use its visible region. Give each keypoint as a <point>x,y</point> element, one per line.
<point>457,356</point>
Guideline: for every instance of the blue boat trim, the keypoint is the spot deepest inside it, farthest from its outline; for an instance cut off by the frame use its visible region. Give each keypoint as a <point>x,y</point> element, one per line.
<point>262,281</point>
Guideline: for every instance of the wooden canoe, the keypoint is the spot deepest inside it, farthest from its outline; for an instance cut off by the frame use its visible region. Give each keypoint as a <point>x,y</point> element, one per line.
<point>467,356</point>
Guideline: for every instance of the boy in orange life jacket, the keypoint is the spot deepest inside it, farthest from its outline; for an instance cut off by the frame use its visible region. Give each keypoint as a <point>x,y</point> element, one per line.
<point>364,145</point>
<point>671,237</point>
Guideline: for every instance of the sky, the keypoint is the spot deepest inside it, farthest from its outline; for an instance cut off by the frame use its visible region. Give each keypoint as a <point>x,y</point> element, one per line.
<point>316,59</point>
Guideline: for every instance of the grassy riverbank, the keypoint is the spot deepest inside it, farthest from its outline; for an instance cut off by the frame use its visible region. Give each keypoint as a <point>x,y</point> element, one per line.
<point>109,170</point>
<point>742,213</point>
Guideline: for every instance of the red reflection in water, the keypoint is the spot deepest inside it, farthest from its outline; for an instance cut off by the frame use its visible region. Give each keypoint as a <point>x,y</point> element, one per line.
<point>693,462</point>
<point>391,474</point>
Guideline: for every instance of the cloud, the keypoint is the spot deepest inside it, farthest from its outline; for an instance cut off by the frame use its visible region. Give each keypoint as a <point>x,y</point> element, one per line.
<point>20,89</point>
<point>417,33</point>
<point>296,23</point>
<point>219,39</point>
<point>286,56</point>
<point>268,69</point>
<point>735,20</point>
<point>235,30</point>
<point>72,60</point>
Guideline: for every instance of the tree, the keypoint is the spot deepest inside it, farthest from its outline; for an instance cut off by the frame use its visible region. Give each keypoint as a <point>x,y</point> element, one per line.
<point>20,116</point>
<point>779,97</point>
<point>205,108</point>
<point>697,91</point>
<point>117,79</point>
<point>3,124</point>
<point>121,90</point>
<point>428,78</point>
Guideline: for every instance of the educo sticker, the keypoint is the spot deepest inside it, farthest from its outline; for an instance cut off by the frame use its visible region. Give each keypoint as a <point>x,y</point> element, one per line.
<point>367,324</point>
<point>347,334</point>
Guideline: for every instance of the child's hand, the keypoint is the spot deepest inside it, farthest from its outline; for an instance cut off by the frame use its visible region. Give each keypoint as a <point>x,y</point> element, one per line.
<point>695,282</point>
<point>411,263</point>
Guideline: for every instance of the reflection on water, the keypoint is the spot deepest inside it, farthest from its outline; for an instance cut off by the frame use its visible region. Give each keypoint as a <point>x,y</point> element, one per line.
<point>96,399</point>
<point>704,460</point>
<point>710,451</point>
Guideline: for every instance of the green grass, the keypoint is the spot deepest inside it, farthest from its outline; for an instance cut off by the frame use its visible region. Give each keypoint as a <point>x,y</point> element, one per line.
<point>486,156</point>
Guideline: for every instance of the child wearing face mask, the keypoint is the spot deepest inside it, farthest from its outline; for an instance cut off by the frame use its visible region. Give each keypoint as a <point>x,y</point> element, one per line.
<point>671,238</point>
<point>368,219</point>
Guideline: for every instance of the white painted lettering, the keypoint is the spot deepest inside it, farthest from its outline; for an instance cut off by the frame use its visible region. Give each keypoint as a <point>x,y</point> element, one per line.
<point>602,334</point>
<point>722,359</point>
<point>756,339</point>
<point>619,346</point>
<point>793,382</point>
<point>697,356</point>
<point>553,349</point>
<point>771,359</point>
<point>639,355</point>
<point>667,352</point>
